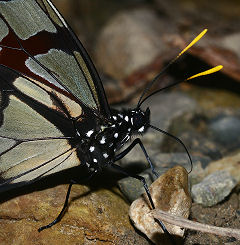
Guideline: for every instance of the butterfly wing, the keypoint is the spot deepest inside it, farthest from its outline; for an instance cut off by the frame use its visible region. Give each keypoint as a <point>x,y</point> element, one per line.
<point>34,33</point>
<point>49,90</point>
<point>32,134</point>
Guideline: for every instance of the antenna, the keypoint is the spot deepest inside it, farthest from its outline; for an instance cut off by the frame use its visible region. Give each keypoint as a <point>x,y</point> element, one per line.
<point>204,73</point>
<point>147,88</point>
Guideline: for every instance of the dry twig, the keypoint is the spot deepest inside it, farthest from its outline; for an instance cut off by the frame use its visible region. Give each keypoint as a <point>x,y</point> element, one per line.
<point>188,224</point>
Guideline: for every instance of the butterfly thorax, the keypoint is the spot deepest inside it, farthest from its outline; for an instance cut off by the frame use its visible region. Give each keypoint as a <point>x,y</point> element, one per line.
<point>102,145</point>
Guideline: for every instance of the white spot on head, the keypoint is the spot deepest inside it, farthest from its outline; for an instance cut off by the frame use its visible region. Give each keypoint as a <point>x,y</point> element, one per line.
<point>120,115</point>
<point>115,135</point>
<point>141,129</point>
<point>113,126</point>
<point>92,148</point>
<point>114,118</point>
<point>105,155</point>
<point>132,120</point>
<point>95,160</point>
<point>103,140</point>
<point>88,165</point>
<point>129,129</point>
<point>89,133</point>
<point>126,118</point>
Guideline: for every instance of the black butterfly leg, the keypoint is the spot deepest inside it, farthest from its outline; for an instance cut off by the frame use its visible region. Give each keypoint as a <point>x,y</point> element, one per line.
<point>64,208</point>
<point>142,179</point>
<point>59,217</point>
<point>130,147</point>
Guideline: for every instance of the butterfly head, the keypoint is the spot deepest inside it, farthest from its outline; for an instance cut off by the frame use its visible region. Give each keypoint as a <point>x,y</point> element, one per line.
<point>140,120</point>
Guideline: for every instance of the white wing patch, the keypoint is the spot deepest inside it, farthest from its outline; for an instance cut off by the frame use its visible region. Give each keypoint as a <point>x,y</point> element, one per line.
<point>3,30</point>
<point>31,160</point>
<point>30,13</point>
<point>66,69</point>
<point>21,121</point>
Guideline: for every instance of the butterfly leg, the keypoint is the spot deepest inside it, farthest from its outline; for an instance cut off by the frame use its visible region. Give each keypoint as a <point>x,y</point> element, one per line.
<point>59,217</point>
<point>130,147</point>
<point>142,179</point>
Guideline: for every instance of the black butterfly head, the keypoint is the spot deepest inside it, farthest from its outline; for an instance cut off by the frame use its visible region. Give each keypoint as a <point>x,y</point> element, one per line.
<point>140,120</point>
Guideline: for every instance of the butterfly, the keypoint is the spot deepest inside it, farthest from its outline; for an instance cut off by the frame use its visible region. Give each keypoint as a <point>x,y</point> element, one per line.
<point>54,113</point>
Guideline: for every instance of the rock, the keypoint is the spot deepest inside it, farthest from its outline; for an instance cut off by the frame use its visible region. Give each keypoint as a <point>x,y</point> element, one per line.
<point>168,160</point>
<point>229,164</point>
<point>197,174</point>
<point>198,144</point>
<point>167,106</point>
<point>213,189</point>
<point>226,130</point>
<point>120,51</point>
<point>169,193</point>
<point>134,55</point>
<point>133,188</point>
<point>93,217</point>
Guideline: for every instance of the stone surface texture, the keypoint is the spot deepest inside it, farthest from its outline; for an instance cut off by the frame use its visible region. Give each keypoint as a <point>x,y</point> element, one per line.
<point>93,217</point>
<point>169,193</point>
<point>135,46</point>
<point>229,164</point>
<point>213,189</point>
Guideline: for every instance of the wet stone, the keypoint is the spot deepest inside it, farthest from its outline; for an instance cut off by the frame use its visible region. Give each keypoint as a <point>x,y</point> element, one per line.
<point>213,189</point>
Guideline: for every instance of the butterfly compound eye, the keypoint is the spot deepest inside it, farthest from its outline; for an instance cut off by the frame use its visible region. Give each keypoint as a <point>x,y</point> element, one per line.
<point>141,119</point>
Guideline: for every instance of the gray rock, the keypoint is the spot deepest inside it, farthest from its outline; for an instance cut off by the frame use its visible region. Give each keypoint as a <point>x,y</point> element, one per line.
<point>168,160</point>
<point>198,144</point>
<point>229,164</point>
<point>213,189</point>
<point>226,130</point>
<point>165,161</point>
<point>167,106</point>
<point>129,49</point>
<point>232,42</point>
<point>133,188</point>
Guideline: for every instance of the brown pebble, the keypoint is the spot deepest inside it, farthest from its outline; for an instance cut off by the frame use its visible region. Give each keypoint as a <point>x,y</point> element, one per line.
<point>169,193</point>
